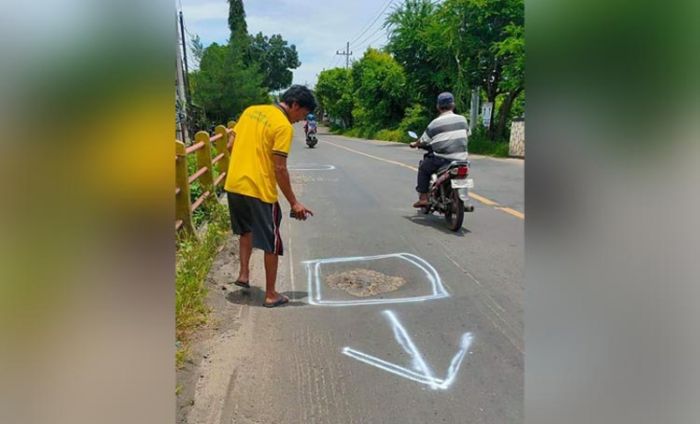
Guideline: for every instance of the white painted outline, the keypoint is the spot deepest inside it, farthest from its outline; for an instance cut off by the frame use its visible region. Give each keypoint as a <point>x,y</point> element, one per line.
<point>314,280</point>
<point>314,168</point>
<point>424,374</point>
<point>291,260</point>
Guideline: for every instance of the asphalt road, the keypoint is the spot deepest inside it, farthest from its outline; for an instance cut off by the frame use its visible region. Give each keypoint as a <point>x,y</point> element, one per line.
<point>455,356</point>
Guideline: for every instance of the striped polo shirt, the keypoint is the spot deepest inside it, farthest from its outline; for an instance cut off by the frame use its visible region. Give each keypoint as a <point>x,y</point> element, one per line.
<point>447,135</point>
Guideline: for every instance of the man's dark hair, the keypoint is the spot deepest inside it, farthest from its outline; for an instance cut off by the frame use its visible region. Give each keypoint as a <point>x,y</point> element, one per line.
<point>301,95</point>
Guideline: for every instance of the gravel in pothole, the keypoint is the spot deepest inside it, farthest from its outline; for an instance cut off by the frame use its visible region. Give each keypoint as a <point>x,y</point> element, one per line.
<point>364,282</point>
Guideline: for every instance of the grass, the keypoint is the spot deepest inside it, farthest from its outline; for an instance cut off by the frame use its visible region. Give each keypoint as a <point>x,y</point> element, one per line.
<point>193,261</point>
<point>389,135</point>
<point>484,146</point>
<point>385,135</point>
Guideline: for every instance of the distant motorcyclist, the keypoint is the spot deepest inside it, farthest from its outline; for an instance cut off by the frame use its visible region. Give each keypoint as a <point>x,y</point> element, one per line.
<point>310,123</point>
<point>445,139</point>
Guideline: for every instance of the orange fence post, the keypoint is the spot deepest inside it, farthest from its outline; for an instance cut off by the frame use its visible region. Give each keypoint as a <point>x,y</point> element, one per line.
<point>204,160</point>
<point>183,212</point>
<point>221,149</point>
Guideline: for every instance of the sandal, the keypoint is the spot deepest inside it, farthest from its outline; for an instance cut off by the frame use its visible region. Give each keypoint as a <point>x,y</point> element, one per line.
<point>244,284</point>
<point>281,301</point>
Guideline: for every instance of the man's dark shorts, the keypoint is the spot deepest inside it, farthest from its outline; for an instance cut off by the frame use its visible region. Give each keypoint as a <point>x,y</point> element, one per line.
<point>249,214</point>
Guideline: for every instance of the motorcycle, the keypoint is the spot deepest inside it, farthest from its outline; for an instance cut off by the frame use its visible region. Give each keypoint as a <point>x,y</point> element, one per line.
<point>311,129</point>
<point>449,190</point>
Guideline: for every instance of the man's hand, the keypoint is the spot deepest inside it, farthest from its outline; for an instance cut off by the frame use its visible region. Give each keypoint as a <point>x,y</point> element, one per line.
<point>413,144</point>
<point>300,211</point>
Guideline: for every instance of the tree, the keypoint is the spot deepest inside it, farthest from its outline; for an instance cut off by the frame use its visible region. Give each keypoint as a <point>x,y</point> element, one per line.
<point>275,58</point>
<point>511,52</point>
<point>334,93</point>
<point>236,20</point>
<point>410,44</point>
<point>379,88</point>
<point>459,44</point>
<point>474,32</point>
<point>225,86</point>
<point>197,48</point>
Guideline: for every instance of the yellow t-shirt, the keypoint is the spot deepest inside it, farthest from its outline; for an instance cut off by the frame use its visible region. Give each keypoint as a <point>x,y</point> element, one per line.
<point>261,132</point>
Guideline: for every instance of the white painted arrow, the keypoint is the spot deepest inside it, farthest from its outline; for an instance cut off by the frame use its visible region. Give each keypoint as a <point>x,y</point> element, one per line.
<point>421,372</point>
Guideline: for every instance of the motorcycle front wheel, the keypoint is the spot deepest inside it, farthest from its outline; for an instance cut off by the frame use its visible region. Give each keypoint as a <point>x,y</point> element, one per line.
<point>455,212</point>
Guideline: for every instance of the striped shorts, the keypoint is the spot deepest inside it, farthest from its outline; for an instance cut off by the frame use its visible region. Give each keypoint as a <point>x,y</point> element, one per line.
<point>250,214</point>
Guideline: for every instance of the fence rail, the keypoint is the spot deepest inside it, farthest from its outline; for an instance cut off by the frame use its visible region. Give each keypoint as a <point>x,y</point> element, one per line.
<point>219,143</point>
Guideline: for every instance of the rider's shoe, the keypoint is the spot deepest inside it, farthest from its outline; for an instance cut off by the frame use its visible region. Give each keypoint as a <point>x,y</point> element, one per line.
<point>423,201</point>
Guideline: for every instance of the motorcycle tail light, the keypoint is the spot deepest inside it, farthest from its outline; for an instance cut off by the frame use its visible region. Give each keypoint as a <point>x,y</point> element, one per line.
<point>460,172</point>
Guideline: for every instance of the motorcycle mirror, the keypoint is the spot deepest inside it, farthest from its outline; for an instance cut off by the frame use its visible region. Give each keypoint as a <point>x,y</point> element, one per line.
<point>412,134</point>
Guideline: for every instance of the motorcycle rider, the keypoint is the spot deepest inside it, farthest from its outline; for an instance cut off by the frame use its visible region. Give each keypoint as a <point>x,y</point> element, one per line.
<point>310,118</point>
<point>445,139</point>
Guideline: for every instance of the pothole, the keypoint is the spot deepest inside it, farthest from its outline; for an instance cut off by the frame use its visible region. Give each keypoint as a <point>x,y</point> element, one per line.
<point>364,282</point>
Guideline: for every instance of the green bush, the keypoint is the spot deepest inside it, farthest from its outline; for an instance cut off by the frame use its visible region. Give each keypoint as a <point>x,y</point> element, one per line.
<point>368,132</point>
<point>388,135</point>
<point>416,118</point>
<point>352,132</point>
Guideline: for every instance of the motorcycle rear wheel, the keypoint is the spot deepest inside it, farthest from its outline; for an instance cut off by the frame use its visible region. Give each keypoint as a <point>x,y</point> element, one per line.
<point>455,212</point>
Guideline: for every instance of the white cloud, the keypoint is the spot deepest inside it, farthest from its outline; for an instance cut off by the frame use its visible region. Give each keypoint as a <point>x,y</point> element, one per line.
<point>317,30</point>
<point>196,11</point>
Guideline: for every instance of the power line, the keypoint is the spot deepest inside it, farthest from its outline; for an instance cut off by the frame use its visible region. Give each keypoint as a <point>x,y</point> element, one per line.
<point>364,41</point>
<point>332,64</point>
<point>369,37</point>
<point>367,27</point>
<point>381,36</point>
<point>386,5</point>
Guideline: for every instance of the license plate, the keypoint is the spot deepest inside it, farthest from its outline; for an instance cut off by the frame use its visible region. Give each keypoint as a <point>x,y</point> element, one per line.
<point>465,183</point>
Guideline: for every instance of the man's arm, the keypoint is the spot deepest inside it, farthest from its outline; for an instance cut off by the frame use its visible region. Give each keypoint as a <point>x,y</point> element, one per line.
<point>422,141</point>
<point>300,211</point>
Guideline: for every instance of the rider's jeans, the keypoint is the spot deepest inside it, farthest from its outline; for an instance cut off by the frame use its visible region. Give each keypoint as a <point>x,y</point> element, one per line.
<point>427,167</point>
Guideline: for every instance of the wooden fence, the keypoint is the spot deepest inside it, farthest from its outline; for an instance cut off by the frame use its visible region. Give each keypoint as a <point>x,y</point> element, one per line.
<point>205,147</point>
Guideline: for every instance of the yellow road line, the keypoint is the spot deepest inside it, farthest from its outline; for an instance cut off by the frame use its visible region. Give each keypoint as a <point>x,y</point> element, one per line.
<point>373,157</point>
<point>482,199</point>
<point>513,212</point>
<point>473,195</point>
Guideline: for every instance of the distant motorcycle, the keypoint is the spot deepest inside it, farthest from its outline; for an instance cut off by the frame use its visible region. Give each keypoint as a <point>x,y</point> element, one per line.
<point>311,129</point>
<point>449,190</point>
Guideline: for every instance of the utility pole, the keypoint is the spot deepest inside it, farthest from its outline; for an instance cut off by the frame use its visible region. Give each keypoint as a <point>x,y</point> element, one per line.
<point>184,56</point>
<point>181,99</point>
<point>474,112</point>
<point>347,53</point>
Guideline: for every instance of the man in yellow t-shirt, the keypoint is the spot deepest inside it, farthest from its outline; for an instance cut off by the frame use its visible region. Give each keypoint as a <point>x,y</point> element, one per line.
<point>263,138</point>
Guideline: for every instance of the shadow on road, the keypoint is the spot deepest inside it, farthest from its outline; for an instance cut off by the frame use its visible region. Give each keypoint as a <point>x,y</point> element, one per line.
<point>255,296</point>
<point>437,222</point>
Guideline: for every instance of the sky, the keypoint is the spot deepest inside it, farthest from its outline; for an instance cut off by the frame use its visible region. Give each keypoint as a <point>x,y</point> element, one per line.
<point>317,29</point>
